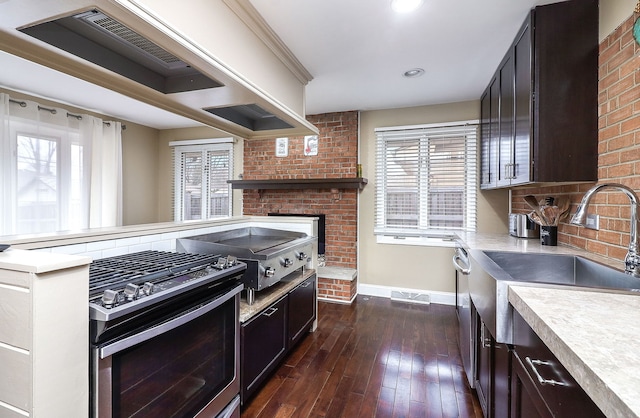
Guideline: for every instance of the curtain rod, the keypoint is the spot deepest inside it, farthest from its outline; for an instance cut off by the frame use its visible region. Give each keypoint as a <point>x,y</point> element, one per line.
<point>22,103</point>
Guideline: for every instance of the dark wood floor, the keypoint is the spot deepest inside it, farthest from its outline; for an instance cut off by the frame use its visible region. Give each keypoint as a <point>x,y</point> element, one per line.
<point>375,358</point>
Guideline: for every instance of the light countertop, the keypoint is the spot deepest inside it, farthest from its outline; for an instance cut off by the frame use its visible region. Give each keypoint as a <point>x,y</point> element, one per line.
<point>594,335</point>
<point>266,297</point>
<point>40,262</point>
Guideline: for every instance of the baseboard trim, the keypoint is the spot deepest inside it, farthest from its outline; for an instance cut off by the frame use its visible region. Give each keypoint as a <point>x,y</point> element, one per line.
<point>442,298</point>
<point>341,301</point>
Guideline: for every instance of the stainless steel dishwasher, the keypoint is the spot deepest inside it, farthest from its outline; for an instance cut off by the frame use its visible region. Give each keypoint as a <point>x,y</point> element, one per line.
<point>463,311</point>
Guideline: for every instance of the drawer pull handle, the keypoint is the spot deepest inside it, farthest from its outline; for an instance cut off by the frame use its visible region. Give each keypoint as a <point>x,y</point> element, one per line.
<point>305,284</point>
<point>270,311</point>
<point>533,363</point>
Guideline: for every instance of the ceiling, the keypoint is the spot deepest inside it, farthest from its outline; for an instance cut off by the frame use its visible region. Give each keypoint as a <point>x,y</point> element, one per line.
<point>356,54</point>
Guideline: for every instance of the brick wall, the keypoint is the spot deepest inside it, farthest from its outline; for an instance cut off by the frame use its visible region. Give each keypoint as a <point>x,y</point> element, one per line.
<point>618,149</point>
<point>337,157</point>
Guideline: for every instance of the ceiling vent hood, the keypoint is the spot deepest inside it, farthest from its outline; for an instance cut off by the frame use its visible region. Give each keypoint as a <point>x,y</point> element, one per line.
<point>251,116</point>
<point>104,41</point>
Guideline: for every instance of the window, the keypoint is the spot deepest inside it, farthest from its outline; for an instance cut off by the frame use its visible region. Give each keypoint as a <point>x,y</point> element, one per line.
<point>53,175</point>
<point>425,179</point>
<point>202,169</point>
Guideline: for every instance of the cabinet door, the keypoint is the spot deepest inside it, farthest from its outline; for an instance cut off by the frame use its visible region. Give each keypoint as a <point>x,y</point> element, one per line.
<point>523,84</point>
<point>484,367</point>
<point>506,162</point>
<point>562,395</point>
<point>494,128</point>
<point>526,401</point>
<point>302,309</point>
<point>485,140</point>
<point>263,344</point>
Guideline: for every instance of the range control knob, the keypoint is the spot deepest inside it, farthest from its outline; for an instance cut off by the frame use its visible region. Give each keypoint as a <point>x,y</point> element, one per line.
<point>269,272</point>
<point>147,288</point>
<point>131,291</point>
<point>301,256</point>
<point>287,262</point>
<point>110,298</point>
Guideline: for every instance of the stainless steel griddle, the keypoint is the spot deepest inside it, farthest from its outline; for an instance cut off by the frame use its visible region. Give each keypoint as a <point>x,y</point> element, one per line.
<point>270,254</point>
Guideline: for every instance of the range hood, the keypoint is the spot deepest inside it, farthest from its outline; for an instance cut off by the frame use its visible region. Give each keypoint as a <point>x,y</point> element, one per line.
<point>124,47</point>
<point>106,42</point>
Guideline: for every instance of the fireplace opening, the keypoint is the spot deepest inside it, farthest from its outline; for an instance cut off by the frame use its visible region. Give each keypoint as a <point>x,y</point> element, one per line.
<point>321,227</point>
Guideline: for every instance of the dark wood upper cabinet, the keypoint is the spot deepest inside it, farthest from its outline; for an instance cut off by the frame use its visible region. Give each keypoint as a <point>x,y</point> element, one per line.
<point>544,99</point>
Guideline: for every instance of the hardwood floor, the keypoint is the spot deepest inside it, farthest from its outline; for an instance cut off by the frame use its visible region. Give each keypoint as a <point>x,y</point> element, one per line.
<point>375,358</point>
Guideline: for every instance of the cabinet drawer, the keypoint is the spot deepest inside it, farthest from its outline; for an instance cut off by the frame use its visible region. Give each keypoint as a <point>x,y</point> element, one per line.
<point>15,385</point>
<point>15,311</point>
<point>559,390</point>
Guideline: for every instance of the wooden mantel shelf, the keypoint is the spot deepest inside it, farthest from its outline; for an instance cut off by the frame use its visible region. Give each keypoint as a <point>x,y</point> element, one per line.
<point>324,183</point>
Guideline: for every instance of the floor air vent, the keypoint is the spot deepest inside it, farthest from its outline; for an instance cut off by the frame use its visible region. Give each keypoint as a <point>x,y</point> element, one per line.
<point>410,297</point>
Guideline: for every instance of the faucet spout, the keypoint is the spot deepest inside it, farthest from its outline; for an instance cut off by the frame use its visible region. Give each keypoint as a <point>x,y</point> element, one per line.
<point>632,260</point>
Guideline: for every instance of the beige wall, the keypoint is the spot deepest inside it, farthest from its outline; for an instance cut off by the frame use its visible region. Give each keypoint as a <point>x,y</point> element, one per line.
<point>139,168</point>
<point>613,13</point>
<point>414,267</point>
<point>165,172</point>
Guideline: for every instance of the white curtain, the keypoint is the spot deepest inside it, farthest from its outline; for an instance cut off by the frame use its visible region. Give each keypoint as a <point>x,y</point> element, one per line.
<point>60,171</point>
<point>106,174</point>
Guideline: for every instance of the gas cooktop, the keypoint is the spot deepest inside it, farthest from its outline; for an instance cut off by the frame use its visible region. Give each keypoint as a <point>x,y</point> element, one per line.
<point>123,284</point>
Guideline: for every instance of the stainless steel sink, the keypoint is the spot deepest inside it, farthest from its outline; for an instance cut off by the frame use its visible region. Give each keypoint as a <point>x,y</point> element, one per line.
<point>492,272</point>
<point>561,269</point>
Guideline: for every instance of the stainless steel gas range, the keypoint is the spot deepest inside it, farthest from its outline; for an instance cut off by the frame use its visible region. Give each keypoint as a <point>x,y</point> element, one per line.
<point>164,335</point>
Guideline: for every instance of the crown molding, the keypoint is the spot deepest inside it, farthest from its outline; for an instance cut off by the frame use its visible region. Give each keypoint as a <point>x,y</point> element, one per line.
<point>254,21</point>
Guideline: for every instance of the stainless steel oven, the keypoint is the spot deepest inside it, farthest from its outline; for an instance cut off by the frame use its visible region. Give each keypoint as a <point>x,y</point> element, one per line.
<point>178,355</point>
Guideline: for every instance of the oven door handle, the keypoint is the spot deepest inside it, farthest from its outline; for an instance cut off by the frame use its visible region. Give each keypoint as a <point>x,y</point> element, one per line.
<point>123,344</point>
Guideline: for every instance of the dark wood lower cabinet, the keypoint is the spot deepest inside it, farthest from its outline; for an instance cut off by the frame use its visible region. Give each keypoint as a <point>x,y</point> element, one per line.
<point>492,373</point>
<point>266,338</point>
<point>526,401</point>
<point>263,343</point>
<point>540,385</point>
<point>302,309</point>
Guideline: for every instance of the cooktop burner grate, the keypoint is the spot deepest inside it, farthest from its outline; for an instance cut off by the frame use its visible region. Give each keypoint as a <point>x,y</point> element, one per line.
<point>146,266</point>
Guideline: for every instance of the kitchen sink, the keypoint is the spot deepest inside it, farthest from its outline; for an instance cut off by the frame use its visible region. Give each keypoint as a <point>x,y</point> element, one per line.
<point>491,272</point>
<point>561,269</point>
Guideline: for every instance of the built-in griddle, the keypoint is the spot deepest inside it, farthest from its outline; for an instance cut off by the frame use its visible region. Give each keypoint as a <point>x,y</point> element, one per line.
<point>270,254</point>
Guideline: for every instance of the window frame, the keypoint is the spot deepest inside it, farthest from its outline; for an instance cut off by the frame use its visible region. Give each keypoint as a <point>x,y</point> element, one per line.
<point>423,233</point>
<point>204,147</point>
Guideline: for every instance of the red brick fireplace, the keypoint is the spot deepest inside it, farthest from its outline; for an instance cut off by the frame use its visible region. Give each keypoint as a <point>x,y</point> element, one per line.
<point>337,157</point>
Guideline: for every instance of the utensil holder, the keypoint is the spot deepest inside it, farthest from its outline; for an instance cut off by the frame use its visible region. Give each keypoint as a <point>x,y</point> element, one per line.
<point>549,235</point>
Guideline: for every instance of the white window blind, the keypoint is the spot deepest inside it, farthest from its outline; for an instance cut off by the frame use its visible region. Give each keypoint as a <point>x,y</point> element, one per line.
<point>426,179</point>
<point>201,190</point>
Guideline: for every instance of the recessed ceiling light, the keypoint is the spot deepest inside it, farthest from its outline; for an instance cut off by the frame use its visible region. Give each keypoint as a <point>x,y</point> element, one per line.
<point>413,73</point>
<point>405,6</point>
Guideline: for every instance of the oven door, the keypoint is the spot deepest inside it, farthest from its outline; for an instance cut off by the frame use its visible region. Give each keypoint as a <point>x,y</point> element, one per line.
<point>184,365</point>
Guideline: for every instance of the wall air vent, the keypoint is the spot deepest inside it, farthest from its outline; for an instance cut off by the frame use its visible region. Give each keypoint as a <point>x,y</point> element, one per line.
<point>251,116</point>
<point>106,42</point>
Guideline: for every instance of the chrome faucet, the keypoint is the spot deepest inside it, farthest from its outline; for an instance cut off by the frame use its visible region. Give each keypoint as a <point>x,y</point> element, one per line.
<point>632,260</point>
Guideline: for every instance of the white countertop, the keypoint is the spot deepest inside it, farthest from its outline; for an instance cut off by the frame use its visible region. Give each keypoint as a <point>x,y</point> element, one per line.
<point>38,262</point>
<point>595,336</point>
